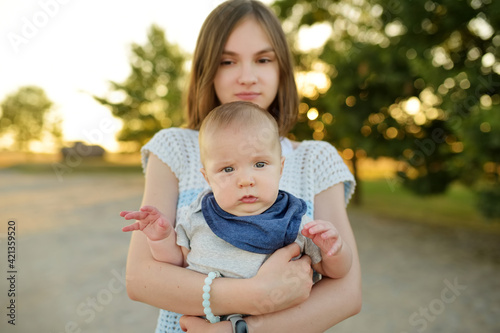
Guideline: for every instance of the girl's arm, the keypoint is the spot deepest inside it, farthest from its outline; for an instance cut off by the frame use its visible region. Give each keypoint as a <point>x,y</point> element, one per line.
<point>279,284</point>
<point>331,300</point>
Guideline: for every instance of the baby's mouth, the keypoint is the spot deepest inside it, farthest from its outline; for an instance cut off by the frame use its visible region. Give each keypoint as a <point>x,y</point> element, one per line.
<point>248,199</point>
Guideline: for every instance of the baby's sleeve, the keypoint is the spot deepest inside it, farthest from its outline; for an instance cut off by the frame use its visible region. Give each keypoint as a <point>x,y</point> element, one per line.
<point>182,236</point>
<point>307,246</point>
<point>183,229</point>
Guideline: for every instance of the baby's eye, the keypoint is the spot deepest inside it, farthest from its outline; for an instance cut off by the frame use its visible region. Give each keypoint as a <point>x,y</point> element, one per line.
<point>260,164</point>
<point>228,169</point>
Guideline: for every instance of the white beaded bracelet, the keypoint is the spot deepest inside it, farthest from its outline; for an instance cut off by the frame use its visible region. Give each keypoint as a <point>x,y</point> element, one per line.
<point>206,297</point>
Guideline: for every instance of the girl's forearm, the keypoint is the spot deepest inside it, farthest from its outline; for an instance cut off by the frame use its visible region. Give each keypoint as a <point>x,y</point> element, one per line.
<point>331,301</point>
<point>179,289</point>
<point>279,284</point>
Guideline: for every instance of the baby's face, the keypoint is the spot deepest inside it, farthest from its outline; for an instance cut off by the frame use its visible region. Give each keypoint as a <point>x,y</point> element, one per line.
<point>243,168</point>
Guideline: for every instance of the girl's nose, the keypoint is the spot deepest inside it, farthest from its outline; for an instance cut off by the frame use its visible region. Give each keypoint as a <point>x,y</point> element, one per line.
<point>247,75</point>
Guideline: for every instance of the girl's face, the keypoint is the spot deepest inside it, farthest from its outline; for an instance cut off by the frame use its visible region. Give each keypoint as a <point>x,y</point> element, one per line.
<point>248,70</point>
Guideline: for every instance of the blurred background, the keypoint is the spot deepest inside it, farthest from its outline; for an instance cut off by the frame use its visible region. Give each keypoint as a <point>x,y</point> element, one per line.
<point>407,91</point>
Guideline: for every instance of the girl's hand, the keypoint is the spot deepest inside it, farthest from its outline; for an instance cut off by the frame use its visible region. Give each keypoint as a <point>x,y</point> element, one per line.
<point>324,235</point>
<point>282,282</point>
<point>193,324</point>
<point>149,219</point>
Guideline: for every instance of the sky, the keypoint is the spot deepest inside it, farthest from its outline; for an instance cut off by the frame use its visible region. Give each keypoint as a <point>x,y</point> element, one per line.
<point>72,49</point>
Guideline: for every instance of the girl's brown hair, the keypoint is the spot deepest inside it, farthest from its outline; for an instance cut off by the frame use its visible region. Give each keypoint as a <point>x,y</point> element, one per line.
<point>207,56</point>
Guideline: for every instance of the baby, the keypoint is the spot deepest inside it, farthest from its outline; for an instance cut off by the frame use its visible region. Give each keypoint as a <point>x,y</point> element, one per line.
<point>234,227</point>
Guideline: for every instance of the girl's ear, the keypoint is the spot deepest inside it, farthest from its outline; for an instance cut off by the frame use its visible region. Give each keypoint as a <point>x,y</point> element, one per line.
<point>282,164</point>
<point>204,173</point>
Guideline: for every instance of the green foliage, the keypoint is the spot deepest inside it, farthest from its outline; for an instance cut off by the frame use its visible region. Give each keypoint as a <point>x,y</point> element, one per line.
<point>481,157</point>
<point>488,200</point>
<point>151,97</point>
<point>414,80</point>
<point>26,117</point>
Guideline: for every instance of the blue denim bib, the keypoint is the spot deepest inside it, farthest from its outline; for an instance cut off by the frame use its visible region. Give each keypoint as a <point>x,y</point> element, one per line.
<point>264,233</point>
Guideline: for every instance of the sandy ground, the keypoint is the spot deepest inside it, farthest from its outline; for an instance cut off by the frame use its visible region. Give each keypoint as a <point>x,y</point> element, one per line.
<point>70,262</point>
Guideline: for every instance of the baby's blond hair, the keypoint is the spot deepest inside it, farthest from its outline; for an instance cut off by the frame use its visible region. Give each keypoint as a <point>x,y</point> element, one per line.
<point>240,115</point>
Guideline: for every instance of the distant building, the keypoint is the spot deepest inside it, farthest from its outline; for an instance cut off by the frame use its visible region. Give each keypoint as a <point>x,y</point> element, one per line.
<point>82,150</point>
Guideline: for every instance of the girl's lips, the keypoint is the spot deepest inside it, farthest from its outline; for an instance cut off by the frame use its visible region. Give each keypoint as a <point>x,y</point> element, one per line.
<point>248,199</point>
<point>247,96</point>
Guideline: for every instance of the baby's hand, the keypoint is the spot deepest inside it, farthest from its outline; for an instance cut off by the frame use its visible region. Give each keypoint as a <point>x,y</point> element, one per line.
<point>324,235</point>
<point>149,219</point>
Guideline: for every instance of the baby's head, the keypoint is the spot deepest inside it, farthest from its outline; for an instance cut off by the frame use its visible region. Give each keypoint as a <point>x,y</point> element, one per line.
<point>241,155</point>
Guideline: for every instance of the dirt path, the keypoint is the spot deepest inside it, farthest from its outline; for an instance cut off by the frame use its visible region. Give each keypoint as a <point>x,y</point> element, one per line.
<point>71,258</point>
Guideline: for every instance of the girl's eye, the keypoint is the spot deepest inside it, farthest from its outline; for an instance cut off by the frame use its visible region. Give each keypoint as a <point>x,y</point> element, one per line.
<point>264,60</point>
<point>226,62</point>
<point>260,164</point>
<point>228,169</point>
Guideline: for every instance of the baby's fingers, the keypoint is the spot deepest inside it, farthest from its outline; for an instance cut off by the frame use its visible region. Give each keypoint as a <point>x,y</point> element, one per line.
<point>329,234</point>
<point>336,247</point>
<point>316,227</point>
<point>132,227</point>
<point>134,215</point>
<point>125,212</point>
<point>150,210</point>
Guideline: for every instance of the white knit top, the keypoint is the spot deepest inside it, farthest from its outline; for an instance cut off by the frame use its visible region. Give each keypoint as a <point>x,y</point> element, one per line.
<point>309,169</point>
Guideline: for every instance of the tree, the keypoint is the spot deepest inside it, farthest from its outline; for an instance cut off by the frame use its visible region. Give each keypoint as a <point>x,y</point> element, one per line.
<point>408,80</point>
<point>151,97</point>
<point>453,48</point>
<point>26,117</point>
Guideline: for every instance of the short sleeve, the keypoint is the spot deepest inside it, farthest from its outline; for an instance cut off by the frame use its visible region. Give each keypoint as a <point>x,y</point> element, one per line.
<point>191,222</point>
<point>314,167</point>
<point>312,250</point>
<point>182,235</point>
<point>178,148</point>
<point>173,146</point>
<point>330,169</point>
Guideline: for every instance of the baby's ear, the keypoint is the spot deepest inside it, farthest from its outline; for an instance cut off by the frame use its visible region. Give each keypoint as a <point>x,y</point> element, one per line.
<point>282,164</point>
<point>204,173</point>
